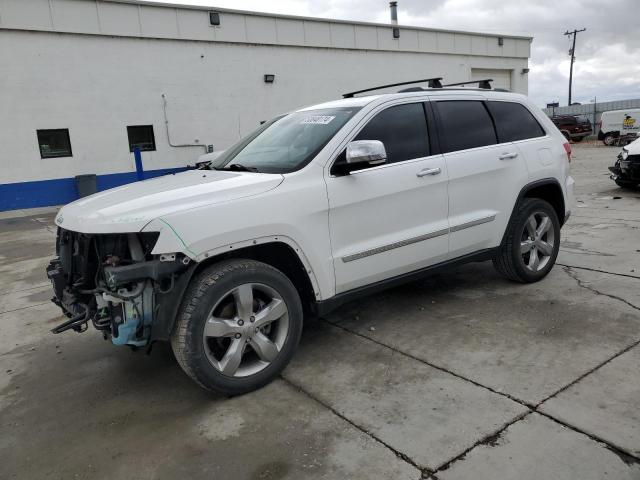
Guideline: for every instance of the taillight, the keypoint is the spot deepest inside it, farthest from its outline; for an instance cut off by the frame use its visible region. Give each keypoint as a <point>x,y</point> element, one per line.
<point>567,148</point>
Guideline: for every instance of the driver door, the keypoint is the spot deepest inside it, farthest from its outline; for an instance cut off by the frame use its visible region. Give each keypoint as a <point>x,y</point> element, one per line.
<point>390,219</point>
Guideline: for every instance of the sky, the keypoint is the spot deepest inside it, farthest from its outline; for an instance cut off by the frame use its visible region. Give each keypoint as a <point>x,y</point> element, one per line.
<point>607,54</point>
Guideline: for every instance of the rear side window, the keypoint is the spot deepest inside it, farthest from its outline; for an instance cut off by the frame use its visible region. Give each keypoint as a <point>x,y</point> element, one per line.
<point>514,122</point>
<point>402,129</point>
<point>465,124</point>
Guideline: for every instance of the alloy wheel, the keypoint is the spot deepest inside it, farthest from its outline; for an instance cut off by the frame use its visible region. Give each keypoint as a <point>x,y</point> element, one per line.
<point>246,329</point>
<point>538,241</point>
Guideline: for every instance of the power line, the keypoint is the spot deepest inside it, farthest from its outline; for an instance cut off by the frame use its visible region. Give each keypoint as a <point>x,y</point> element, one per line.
<point>573,57</point>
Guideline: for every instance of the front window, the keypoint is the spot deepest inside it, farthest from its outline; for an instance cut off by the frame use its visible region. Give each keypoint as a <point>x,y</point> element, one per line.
<point>286,143</point>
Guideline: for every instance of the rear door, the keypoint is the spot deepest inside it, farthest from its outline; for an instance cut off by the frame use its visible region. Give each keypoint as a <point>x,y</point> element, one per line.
<point>515,124</point>
<point>485,176</point>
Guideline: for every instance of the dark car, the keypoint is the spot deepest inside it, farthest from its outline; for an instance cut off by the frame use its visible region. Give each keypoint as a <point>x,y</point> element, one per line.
<point>573,127</point>
<point>626,171</point>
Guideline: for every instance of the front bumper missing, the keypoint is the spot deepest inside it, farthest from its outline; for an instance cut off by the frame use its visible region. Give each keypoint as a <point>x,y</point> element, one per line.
<point>626,168</point>
<point>626,171</point>
<point>77,312</point>
<point>123,306</point>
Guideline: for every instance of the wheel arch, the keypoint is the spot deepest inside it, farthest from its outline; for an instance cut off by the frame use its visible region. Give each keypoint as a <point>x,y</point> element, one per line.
<point>547,189</point>
<point>280,252</point>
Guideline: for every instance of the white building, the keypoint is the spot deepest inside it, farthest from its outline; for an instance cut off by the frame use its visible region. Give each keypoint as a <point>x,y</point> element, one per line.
<point>75,74</point>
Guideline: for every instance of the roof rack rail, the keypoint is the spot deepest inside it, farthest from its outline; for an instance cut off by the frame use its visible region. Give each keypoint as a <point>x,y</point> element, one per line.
<point>484,84</point>
<point>433,83</point>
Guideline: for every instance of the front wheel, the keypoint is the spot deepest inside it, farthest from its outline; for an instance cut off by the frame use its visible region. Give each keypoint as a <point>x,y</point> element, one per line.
<point>609,140</point>
<point>626,184</point>
<point>532,240</point>
<point>238,327</point>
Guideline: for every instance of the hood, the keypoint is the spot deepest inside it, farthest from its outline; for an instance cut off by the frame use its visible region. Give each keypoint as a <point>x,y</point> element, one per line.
<point>633,148</point>
<point>130,207</point>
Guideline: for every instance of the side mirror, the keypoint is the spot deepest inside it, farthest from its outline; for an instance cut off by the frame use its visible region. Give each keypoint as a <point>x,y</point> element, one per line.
<point>369,152</point>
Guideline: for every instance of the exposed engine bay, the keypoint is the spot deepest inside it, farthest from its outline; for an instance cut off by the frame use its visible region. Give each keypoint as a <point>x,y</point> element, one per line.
<point>112,281</point>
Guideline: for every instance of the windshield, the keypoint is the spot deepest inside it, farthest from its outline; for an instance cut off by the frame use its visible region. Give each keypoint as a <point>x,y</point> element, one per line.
<point>286,143</point>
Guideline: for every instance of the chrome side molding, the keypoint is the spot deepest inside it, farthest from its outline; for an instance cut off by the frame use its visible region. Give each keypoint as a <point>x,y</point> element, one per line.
<point>392,246</point>
<point>472,223</point>
<point>421,238</point>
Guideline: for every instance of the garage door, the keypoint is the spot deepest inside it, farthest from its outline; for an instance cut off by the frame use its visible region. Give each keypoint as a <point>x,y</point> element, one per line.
<point>501,78</point>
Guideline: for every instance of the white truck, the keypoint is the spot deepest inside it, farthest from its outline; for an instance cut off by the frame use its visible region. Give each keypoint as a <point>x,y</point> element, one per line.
<point>615,124</point>
<point>316,207</point>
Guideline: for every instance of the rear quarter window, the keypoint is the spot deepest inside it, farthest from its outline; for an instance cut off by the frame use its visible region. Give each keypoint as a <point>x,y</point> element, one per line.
<point>515,122</point>
<point>465,124</point>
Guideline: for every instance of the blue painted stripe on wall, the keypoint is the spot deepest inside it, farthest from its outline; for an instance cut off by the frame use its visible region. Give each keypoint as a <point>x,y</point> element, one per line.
<point>45,193</point>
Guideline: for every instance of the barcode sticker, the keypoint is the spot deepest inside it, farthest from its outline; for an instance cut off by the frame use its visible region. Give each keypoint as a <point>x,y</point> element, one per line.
<point>318,119</point>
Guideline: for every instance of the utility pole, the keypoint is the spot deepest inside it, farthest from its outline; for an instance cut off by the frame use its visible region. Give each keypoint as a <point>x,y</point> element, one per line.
<point>573,57</point>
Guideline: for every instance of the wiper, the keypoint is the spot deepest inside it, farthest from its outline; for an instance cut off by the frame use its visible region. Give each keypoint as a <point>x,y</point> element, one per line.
<point>238,167</point>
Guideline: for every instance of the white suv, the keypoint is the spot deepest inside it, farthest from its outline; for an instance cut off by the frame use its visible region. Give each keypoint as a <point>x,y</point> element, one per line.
<point>315,208</point>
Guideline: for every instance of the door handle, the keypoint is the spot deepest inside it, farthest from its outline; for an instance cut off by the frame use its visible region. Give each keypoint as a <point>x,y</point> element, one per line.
<point>429,171</point>
<point>507,156</point>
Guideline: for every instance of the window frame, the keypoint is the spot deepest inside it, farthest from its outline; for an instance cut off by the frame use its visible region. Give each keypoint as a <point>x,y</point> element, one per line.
<point>44,156</point>
<point>441,135</point>
<point>430,124</point>
<point>153,138</point>
<point>495,126</point>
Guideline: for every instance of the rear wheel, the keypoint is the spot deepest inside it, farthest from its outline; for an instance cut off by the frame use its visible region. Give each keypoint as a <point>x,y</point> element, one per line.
<point>532,240</point>
<point>238,327</point>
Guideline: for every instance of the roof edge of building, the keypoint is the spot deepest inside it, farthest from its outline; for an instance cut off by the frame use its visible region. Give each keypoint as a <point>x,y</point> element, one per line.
<point>313,19</point>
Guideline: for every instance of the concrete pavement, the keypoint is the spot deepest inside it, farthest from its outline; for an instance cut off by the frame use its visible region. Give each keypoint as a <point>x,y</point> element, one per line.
<point>461,375</point>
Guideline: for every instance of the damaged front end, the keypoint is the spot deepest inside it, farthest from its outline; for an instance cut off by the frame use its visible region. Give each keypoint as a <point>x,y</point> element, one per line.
<point>112,281</point>
<point>626,168</point>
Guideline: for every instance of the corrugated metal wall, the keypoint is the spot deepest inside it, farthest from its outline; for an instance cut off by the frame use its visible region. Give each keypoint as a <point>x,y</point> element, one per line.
<point>591,110</point>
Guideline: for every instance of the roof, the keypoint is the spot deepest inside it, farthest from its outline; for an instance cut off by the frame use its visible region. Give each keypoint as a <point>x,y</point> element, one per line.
<point>431,92</point>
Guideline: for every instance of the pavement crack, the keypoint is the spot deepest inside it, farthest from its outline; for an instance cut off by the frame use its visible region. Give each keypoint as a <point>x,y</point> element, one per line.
<point>432,365</point>
<point>569,271</point>
<point>586,374</point>
<point>24,308</point>
<point>492,440</point>
<point>598,271</point>
<point>625,456</point>
<point>371,435</point>
<point>625,220</point>
<point>39,285</point>
<point>46,226</point>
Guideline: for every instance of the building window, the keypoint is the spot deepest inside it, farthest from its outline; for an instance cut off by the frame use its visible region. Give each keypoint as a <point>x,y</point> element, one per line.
<point>141,137</point>
<point>54,143</point>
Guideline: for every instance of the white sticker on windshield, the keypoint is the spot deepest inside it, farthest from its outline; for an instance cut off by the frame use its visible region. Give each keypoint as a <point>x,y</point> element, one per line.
<point>318,119</point>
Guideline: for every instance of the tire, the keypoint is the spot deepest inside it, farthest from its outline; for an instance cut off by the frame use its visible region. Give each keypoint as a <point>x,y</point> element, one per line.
<point>577,139</point>
<point>566,135</point>
<point>626,184</point>
<point>608,140</point>
<point>214,339</point>
<point>519,265</point>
